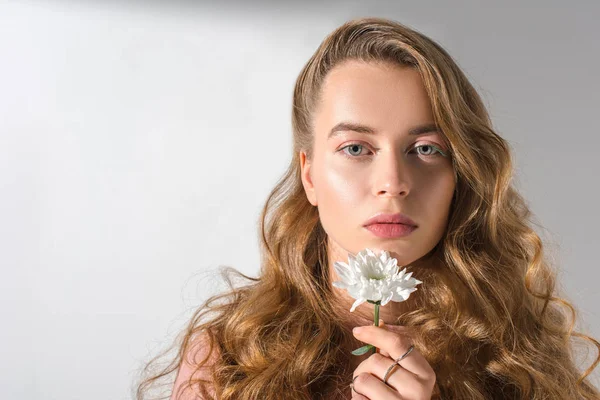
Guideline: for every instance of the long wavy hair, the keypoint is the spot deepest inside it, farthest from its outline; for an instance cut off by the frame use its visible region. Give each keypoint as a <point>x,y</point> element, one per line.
<point>488,319</point>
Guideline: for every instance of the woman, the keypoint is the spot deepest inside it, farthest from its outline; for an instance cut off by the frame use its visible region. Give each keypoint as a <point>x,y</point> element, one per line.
<point>384,121</point>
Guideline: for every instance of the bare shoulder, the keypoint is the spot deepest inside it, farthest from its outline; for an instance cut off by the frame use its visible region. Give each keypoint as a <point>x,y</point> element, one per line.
<point>193,356</point>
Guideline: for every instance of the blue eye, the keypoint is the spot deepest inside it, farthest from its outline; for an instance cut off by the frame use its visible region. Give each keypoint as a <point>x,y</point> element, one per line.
<point>433,148</point>
<point>348,146</point>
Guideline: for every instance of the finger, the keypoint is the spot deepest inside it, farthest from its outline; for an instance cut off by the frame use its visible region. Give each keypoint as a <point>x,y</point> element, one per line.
<point>368,385</point>
<point>396,344</point>
<point>355,395</point>
<point>382,351</point>
<point>403,382</point>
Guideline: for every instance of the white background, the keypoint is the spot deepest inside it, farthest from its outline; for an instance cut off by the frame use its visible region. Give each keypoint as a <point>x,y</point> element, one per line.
<point>139,140</point>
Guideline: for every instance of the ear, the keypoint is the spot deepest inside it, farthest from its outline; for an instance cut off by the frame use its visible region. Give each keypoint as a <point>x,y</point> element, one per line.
<point>309,188</point>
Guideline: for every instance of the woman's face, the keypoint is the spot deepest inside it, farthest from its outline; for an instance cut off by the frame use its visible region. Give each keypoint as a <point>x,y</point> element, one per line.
<point>382,171</point>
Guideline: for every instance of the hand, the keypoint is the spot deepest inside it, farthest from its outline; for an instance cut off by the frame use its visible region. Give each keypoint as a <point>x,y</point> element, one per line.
<point>411,379</point>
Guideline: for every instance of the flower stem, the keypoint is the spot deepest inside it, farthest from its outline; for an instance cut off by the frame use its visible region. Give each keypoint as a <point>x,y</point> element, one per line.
<point>376,321</point>
<point>362,350</point>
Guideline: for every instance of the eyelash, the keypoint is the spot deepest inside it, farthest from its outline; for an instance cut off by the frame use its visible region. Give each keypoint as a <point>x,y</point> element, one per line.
<point>421,145</point>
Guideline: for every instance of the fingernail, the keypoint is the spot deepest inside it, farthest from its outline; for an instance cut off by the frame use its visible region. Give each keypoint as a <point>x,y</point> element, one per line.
<point>356,329</point>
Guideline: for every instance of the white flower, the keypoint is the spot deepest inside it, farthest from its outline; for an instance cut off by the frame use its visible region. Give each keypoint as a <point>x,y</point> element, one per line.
<point>368,277</point>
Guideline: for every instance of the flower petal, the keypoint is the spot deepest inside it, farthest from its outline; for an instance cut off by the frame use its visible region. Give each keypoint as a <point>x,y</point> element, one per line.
<point>344,272</point>
<point>358,302</point>
<point>340,284</point>
<point>402,294</point>
<point>385,258</point>
<point>387,298</point>
<point>355,291</point>
<point>401,274</point>
<point>391,267</point>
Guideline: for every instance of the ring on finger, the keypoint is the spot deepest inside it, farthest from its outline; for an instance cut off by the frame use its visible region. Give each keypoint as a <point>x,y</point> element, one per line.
<point>412,346</point>
<point>397,362</point>
<point>352,384</point>
<point>387,373</point>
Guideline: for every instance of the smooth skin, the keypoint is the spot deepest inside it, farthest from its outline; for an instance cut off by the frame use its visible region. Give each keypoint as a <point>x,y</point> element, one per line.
<point>354,175</point>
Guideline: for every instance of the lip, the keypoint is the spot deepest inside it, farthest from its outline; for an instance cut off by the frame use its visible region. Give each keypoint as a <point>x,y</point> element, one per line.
<point>385,218</point>
<point>390,230</point>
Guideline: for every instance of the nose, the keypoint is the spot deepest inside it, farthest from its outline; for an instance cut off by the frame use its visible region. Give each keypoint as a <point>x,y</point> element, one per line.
<point>391,177</point>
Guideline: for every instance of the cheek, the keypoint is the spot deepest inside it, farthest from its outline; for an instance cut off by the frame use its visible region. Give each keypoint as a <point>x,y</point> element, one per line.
<point>340,199</point>
<point>341,188</point>
<point>437,195</point>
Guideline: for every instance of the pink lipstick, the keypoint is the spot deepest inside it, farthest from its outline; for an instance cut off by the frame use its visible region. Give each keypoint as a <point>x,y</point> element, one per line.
<point>390,225</point>
<point>390,230</point>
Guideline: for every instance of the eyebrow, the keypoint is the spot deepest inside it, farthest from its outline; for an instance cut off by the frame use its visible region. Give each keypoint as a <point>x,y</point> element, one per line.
<point>351,126</point>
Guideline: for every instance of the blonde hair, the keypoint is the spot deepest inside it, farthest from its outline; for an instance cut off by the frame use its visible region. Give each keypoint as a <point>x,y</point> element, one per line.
<point>490,293</point>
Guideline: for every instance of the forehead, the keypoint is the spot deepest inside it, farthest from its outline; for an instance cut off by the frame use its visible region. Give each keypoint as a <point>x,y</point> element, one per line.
<point>383,95</point>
